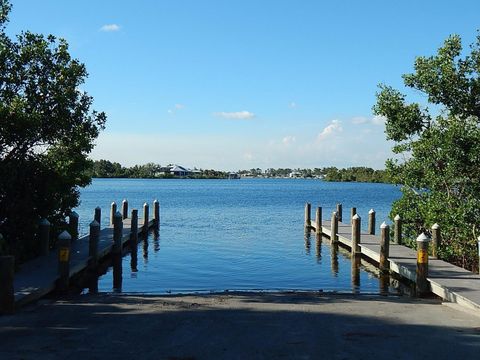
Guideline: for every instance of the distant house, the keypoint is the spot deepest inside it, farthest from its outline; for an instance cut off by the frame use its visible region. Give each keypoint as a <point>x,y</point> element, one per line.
<point>233,175</point>
<point>176,170</point>
<point>295,174</point>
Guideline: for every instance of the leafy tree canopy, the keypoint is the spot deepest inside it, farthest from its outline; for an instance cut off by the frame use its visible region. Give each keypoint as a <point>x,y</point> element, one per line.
<point>438,148</point>
<point>47,128</point>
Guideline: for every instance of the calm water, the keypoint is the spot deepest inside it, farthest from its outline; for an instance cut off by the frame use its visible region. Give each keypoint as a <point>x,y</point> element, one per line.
<point>236,234</point>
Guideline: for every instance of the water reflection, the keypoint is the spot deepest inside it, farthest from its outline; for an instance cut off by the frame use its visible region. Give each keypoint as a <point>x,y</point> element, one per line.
<point>334,258</point>
<point>156,240</point>
<point>307,242</point>
<point>318,248</point>
<point>356,259</point>
<point>145,249</point>
<point>117,272</point>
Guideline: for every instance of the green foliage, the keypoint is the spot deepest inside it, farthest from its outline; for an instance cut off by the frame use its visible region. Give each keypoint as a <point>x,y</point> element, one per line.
<point>438,160</point>
<point>46,131</point>
<point>355,174</point>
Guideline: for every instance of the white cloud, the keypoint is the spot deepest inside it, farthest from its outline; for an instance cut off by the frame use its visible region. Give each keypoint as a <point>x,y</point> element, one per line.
<point>334,127</point>
<point>288,140</point>
<point>110,28</point>
<point>376,120</point>
<point>176,108</point>
<point>359,120</point>
<point>238,115</point>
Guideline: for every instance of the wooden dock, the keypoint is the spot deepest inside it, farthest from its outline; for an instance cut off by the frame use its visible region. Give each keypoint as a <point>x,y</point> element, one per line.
<point>450,282</point>
<point>41,276</point>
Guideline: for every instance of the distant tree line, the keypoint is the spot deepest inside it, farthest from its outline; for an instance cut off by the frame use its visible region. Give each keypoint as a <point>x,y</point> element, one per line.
<point>108,169</point>
<point>356,174</point>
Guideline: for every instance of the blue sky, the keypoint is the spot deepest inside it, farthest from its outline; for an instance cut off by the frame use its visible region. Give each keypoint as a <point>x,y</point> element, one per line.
<point>241,84</point>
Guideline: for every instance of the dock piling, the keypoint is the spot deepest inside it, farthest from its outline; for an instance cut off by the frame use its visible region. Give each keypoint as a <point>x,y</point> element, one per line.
<point>98,215</point>
<point>64,244</point>
<point>356,226</point>
<point>334,227</point>
<point>318,221</point>
<point>339,212</point>
<point>117,233</point>
<point>93,243</point>
<point>7,298</point>
<point>125,209</point>
<point>384,264</point>
<point>44,232</point>
<point>113,211</point>
<point>145,217</point>
<point>371,222</point>
<point>422,285</point>
<point>308,211</point>
<point>353,212</point>
<point>397,230</point>
<point>156,213</point>
<point>134,230</point>
<point>436,240</point>
<point>73,225</point>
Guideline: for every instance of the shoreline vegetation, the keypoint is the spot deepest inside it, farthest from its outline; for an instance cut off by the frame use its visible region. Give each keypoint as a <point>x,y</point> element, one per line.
<point>108,169</point>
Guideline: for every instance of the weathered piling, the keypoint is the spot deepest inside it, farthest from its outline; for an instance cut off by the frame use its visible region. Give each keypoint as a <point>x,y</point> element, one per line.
<point>145,217</point>
<point>422,284</point>
<point>384,264</point>
<point>125,208</point>
<point>93,243</point>
<point>73,225</point>
<point>397,230</point>
<point>334,228</point>
<point>339,212</point>
<point>353,212</point>
<point>356,226</point>
<point>308,211</point>
<point>98,215</point>
<point>64,244</point>
<point>134,230</point>
<point>117,273</point>
<point>318,221</point>
<point>384,283</point>
<point>117,233</point>
<point>356,252</point>
<point>44,234</point>
<point>113,211</point>
<point>7,298</point>
<point>371,222</point>
<point>156,213</point>
<point>436,240</point>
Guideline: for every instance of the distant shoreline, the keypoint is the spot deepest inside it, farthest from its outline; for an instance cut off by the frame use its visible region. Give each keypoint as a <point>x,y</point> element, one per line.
<point>241,178</point>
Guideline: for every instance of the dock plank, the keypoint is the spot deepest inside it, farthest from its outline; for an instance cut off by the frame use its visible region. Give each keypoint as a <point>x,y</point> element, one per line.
<point>448,281</point>
<point>38,277</point>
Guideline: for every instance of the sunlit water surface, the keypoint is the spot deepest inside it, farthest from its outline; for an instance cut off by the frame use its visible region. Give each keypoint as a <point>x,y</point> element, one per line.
<point>246,234</point>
